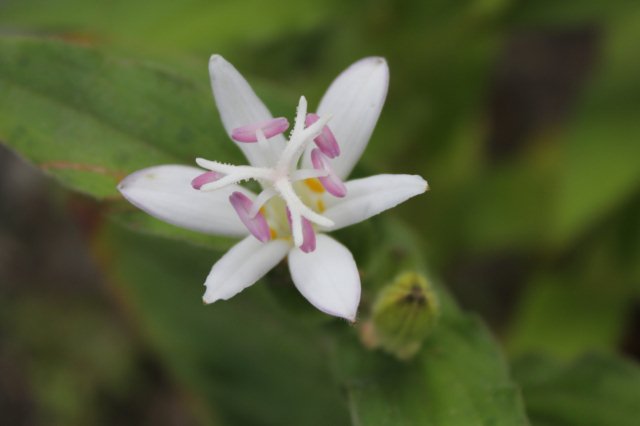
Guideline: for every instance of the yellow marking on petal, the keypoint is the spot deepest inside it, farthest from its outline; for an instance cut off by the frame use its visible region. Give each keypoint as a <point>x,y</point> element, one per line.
<point>273,233</point>
<point>314,185</point>
<point>321,206</point>
<point>262,210</point>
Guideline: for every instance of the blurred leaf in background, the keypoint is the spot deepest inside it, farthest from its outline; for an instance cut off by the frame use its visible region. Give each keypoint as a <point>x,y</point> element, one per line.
<point>592,390</point>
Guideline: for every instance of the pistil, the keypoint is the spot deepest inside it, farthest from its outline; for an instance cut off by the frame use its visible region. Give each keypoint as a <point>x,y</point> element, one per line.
<point>279,179</point>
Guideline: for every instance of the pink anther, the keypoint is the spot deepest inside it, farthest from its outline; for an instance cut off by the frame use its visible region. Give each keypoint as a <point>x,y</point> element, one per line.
<point>331,182</point>
<point>325,141</point>
<point>269,128</point>
<point>308,234</point>
<point>204,179</point>
<point>257,225</point>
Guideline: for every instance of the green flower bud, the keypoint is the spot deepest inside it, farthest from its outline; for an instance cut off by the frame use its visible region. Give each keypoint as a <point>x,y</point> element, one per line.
<point>404,314</point>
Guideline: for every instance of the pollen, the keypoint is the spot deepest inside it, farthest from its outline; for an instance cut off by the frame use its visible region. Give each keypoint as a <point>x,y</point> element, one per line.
<point>273,233</point>
<point>321,206</point>
<point>314,185</point>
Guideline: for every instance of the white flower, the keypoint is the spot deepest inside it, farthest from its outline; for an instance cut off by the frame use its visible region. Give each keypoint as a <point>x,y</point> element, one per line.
<point>295,203</point>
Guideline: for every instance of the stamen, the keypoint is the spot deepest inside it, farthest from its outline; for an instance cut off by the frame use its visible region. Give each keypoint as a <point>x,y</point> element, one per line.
<point>331,182</point>
<point>325,141</point>
<point>295,223</point>
<point>205,178</point>
<point>309,237</point>
<point>261,200</point>
<point>263,146</point>
<point>305,174</point>
<point>270,128</point>
<point>308,234</point>
<point>257,224</point>
<point>297,206</point>
<point>280,179</point>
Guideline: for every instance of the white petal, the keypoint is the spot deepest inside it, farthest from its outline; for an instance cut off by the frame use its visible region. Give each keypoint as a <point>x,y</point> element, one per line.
<point>328,277</point>
<point>242,266</point>
<point>240,106</point>
<point>354,100</point>
<point>165,192</point>
<point>372,195</point>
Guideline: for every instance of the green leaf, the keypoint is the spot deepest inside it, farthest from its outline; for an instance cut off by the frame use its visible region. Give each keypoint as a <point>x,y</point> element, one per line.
<point>594,390</point>
<point>73,343</point>
<point>254,363</point>
<point>548,13</point>
<point>565,318</point>
<point>139,221</point>
<point>168,26</point>
<point>246,359</point>
<point>89,119</point>
<point>600,170</point>
<point>458,378</point>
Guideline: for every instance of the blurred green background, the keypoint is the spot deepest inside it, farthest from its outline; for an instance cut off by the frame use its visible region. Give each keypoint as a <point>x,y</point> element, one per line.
<point>524,116</point>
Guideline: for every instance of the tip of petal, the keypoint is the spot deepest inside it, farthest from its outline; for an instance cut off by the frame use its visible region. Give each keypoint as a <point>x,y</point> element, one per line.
<point>213,292</point>
<point>125,184</point>
<point>208,297</point>
<point>351,317</point>
<point>216,61</point>
<point>373,61</point>
<point>424,185</point>
<point>379,60</point>
<point>215,58</point>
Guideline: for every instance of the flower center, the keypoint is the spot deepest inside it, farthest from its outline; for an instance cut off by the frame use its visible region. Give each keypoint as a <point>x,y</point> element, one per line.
<point>279,179</point>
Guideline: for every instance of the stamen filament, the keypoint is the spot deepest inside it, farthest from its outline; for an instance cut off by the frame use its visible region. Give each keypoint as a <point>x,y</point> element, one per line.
<point>257,225</point>
<point>296,227</point>
<point>261,200</point>
<point>262,143</point>
<point>304,174</point>
<point>325,141</point>
<point>293,202</point>
<point>331,182</point>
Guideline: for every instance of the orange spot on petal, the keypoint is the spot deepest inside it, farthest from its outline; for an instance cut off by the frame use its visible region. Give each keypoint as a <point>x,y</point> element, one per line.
<point>314,185</point>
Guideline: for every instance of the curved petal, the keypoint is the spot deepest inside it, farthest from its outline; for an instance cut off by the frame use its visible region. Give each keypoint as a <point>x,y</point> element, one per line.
<point>327,277</point>
<point>166,193</point>
<point>242,266</point>
<point>372,195</point>
<point>354,100</point>
<point>239,106</point>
